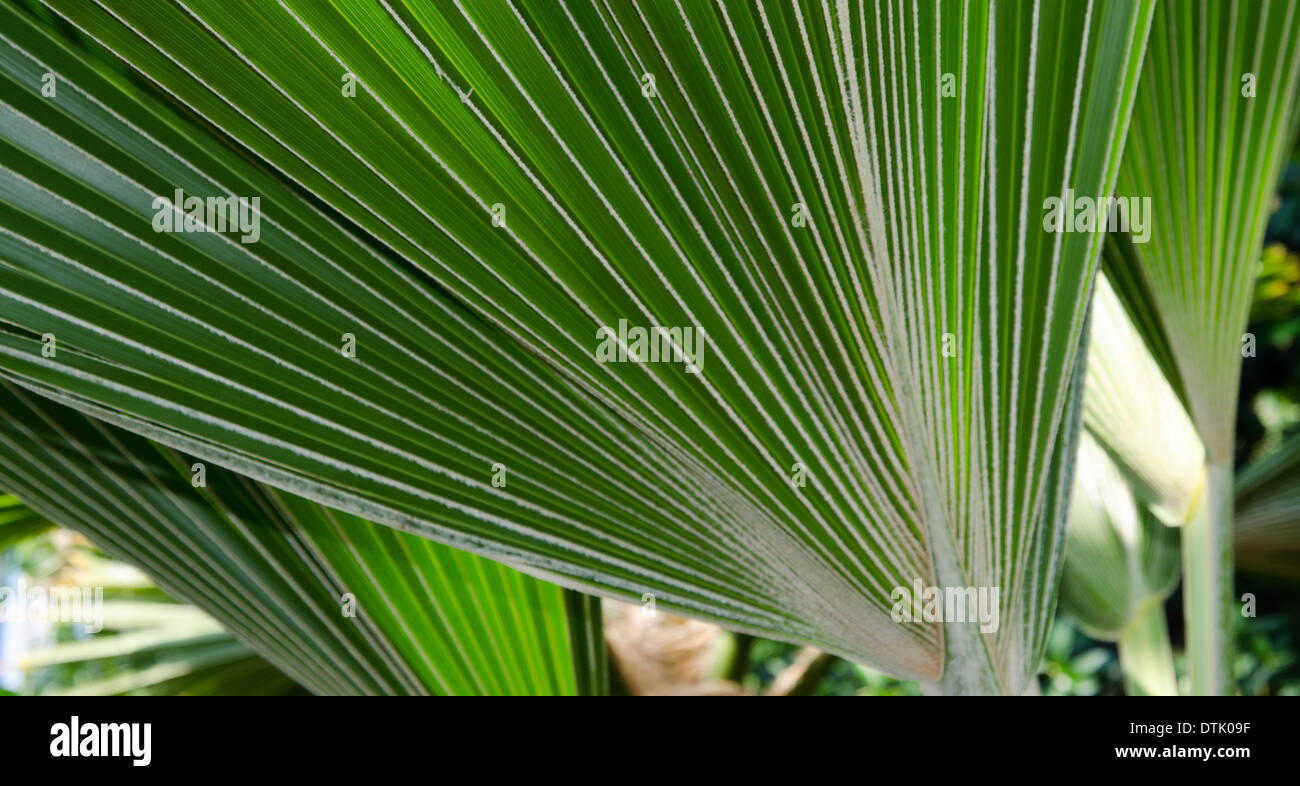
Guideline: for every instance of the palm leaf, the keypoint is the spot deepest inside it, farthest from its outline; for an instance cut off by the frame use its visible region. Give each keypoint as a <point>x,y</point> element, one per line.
<point>19,522</point>
<point>1214,120</point>
<point>912,346</point>
<point>338,604</point>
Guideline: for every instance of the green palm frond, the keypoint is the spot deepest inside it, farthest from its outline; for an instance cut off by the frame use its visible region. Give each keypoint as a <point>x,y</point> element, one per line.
<point>336,603</point>
<point>843,202</point>
<point>1215,117</point>
<point>19,522</point>
<point>1211,129</point>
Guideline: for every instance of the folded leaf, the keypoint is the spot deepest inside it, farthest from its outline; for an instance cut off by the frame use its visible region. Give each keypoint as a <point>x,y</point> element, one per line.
<point>1119,559</point>
<point>1136,415</point>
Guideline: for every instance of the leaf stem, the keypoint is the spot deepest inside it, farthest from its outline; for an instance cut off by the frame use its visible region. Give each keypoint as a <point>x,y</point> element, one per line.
<point>1207,585</point>
<point>1145,654</point>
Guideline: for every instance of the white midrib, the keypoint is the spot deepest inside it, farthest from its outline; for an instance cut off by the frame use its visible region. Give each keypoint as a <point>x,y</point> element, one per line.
<point>967,663</point>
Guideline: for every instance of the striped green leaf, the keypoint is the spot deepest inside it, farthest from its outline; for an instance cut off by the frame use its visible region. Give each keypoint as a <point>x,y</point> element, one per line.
<point>843,201</point>
<point>1214,121</point>
<point>338,604</point>
<point>19,522</point>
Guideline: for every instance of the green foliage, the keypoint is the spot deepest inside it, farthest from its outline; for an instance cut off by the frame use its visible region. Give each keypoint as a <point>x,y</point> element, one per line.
<point>145,644</point>
<point>502,182</point>
<point>843,206</point>
<point>338,604</point>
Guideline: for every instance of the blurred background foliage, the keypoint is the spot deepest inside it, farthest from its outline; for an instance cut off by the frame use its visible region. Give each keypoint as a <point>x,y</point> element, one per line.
<point>146,644</point>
